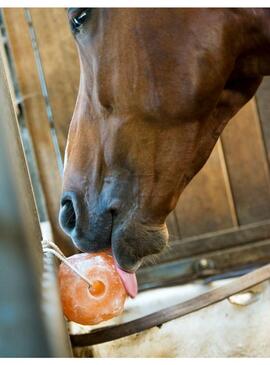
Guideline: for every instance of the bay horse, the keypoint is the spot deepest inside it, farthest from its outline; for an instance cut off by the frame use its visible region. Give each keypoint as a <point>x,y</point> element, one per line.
<point>157,87</point>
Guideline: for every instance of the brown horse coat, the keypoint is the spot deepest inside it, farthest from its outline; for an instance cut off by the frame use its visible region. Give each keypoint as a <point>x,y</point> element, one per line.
<point>157,88</point>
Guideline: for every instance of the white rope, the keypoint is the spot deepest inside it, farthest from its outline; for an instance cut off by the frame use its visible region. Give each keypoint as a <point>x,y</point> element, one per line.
<point>48,246</point>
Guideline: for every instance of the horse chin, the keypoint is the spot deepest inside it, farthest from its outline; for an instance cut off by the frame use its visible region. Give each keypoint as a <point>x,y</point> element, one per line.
<point>132,243</point>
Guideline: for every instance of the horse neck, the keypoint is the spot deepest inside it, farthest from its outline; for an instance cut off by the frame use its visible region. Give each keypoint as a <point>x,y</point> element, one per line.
<point>254,50</point>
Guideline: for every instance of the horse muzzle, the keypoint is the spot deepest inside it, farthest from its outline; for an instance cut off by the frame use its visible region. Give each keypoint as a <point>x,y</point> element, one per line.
<point>101,228</point>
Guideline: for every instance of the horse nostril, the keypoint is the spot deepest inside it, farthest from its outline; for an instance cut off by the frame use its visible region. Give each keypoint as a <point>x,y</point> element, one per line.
<point>67,215</point>
<point>114,212</point>
<point>90,230</point>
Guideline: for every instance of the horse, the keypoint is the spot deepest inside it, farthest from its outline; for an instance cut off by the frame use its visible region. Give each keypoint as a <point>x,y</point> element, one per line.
<point>157,87</point>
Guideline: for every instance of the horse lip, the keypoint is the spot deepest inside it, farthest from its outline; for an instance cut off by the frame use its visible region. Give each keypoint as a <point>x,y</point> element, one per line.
<point>128,270</point>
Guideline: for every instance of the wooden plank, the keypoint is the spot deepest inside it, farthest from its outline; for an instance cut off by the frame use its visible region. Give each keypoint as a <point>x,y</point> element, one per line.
<point>204,205</point>
<point>209,242</point>
<point>60,65</point>
<point>36,117</point>
<point>205,265</point>
<point>263,105</point>
<point>247,165</point>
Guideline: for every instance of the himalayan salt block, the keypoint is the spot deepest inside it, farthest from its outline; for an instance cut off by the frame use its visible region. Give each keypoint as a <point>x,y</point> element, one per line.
<point>91,305</point>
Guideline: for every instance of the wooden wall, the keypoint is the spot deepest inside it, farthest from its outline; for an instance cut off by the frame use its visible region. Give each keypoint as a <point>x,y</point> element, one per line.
<point>233,188</point>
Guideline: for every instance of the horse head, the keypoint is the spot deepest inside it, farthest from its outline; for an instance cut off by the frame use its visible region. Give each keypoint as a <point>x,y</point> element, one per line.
<point>157,87</point>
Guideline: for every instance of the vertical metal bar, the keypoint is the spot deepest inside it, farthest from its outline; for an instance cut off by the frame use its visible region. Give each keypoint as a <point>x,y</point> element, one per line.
<point>25,321</point>
<point>44,88</point>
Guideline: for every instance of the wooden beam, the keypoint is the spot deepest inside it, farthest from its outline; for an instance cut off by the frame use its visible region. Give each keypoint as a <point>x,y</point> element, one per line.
<point>204,266</point>
<point>222,252</point>
<point>210,242</point>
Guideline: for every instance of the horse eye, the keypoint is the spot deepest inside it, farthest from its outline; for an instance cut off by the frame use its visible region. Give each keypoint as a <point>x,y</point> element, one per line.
<point>79,19</point>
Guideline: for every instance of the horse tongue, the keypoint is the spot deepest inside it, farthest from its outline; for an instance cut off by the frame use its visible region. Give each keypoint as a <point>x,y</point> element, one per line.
<point>129,280</point>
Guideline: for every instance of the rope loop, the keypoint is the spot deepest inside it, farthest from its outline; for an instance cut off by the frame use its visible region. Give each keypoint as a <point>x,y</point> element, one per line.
<point>51,247</point>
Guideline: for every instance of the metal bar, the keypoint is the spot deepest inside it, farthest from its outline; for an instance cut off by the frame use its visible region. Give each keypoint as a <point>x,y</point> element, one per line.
<point>44,88</point>
<point>26,324</point>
